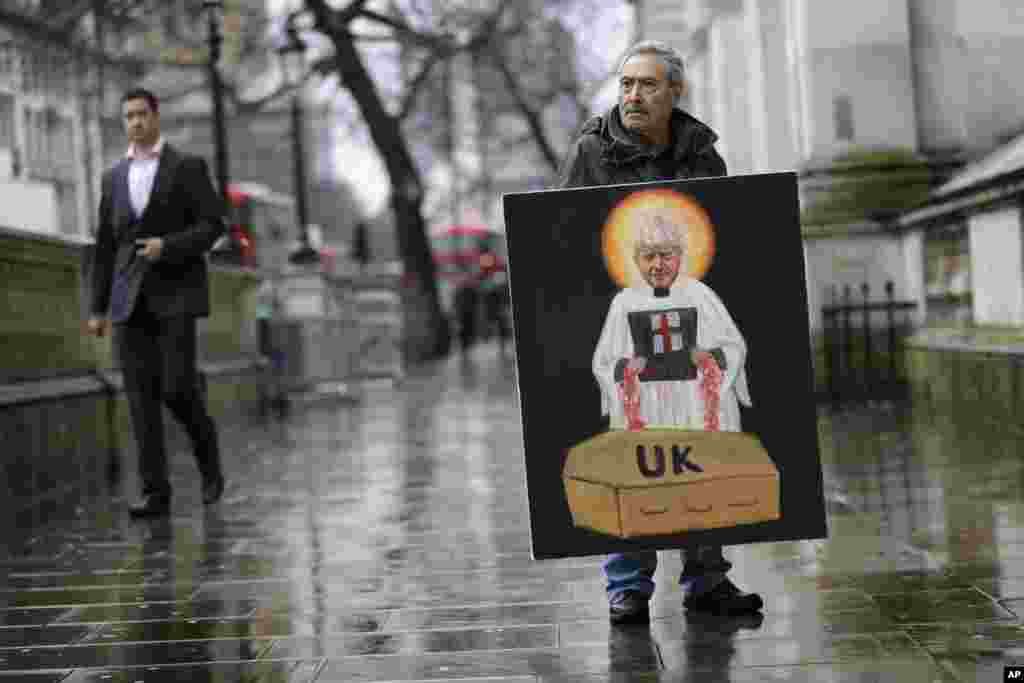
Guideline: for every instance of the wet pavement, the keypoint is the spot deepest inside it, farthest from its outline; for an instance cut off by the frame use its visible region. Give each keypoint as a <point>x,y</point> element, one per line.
<point>388,541</point>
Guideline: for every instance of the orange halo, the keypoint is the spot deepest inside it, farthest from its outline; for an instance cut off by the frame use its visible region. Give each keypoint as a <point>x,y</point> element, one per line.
<point>617,234</point>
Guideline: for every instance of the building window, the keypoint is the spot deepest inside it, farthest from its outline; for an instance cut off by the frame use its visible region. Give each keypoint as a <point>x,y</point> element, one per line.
<point>50,143</point>
<point>947,268</point>
<point>842,111</point>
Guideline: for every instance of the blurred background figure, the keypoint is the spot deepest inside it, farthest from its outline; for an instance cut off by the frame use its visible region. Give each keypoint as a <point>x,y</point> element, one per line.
<point>495,293</point>
<point>472,270</point>
<point>361,253</point>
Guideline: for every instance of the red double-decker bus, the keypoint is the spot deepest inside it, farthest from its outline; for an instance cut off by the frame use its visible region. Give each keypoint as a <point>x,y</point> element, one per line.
<point>260,222</point>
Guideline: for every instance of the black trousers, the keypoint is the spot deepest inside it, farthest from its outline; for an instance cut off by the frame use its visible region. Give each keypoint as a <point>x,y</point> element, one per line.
<point>466,301</point>
<point>158,357</point>
<point>495,305</point>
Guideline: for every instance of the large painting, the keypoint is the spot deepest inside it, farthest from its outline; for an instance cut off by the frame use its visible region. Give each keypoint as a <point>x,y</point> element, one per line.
<point>664,365</point>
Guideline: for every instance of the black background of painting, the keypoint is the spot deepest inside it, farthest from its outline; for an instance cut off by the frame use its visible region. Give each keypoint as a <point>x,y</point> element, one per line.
<point>561,292</point>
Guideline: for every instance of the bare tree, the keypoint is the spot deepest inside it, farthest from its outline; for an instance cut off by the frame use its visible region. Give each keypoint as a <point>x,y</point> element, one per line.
<point>520,44</point>
<point>523,57</point>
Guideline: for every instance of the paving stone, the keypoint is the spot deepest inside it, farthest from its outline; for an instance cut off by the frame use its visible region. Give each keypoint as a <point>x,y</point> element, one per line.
<point>158,611</point>
<point>891,671</point>
<point>31,617</point>
<point>72,597</point>
<point>769,651</point>
<point>554,663</point>
<point>105,655</point>
<point>250,672</point>
<point>65,580</point>
<point>196,629</point>
<point>389,541</point>
<point>939,606</point>
<point>1005,590</point>
<point>407,642</point>
<point>896,582</point>
<point>972,667</point>
<point>507,615</point>
<point>41,635</point>
<point>779,626</point>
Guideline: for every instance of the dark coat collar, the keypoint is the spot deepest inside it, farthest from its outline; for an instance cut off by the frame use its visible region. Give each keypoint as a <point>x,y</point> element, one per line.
<point>164,176</point>
<point>623,147</point>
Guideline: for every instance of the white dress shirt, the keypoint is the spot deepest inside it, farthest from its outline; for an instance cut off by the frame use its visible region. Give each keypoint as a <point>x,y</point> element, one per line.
<point>142,174</point>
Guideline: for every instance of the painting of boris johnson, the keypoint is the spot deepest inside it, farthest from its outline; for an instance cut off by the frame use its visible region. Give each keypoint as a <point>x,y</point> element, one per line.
<point>664,365</point>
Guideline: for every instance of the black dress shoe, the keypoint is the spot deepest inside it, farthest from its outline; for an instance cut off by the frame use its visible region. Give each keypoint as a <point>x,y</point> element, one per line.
<point>725,599</point>
<point>151,506</point>
<point>213,490</point>
<point>630,608</point>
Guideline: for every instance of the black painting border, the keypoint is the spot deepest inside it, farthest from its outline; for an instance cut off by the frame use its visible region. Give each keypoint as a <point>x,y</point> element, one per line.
<point>764,275</point>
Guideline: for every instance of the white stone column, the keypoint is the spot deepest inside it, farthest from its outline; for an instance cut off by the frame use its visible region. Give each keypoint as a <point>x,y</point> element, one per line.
<point>797,69</point>
<point>756,89</point>
<point>997,267</point>
<point>697,81</point>
<point>913,261</point>
<point>718,85</point>
<point>772,83</point>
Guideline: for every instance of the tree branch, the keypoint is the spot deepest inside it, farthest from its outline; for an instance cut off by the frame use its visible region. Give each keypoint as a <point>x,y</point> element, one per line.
<point>404,29</point>
<point>353,10</point>
<point>38,29</point>
<point>255,105</point>
<point>416,84</point>
<point>67,17</point>
<point>533,118</point>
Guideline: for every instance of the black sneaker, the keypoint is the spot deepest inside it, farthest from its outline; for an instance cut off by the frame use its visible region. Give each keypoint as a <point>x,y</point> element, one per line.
<point>724,599</point>
<point>630,608</point>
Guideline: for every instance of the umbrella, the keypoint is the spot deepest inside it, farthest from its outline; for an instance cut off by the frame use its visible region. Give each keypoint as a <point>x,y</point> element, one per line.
<point>467,254</point>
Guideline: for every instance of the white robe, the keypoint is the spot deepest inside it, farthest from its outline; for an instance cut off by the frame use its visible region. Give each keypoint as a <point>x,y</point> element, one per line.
<point>668,404</point>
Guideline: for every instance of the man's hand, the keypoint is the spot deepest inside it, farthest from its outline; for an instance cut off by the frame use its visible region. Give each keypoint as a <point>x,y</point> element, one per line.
<point>96,326</point>
<point>150,248</point>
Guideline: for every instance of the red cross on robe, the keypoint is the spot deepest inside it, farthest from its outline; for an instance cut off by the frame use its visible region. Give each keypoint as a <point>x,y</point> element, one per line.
<point>665,334</point>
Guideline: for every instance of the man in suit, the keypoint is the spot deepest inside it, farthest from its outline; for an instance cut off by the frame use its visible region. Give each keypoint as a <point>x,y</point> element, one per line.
<point>159,215</point>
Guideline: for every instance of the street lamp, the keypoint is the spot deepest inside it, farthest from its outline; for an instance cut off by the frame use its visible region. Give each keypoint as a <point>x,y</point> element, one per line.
<point>213,9</point>
<point>293,62</point>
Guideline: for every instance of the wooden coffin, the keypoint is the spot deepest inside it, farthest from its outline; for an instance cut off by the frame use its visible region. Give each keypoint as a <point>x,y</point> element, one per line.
<point>656,482</point>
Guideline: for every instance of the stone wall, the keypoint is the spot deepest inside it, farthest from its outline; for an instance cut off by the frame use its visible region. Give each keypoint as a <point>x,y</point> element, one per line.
<point>63,415</point>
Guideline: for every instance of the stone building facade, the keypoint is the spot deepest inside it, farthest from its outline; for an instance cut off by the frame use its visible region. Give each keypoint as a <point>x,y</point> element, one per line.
<point>876,104</point>
<point>48,137</point>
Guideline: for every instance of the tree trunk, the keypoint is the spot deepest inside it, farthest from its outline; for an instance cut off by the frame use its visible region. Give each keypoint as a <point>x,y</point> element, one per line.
<point>406,186</point>
<point>419,261</point>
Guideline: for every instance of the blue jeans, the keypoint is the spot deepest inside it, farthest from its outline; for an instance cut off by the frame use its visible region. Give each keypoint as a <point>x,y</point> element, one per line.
<point>704,567</point>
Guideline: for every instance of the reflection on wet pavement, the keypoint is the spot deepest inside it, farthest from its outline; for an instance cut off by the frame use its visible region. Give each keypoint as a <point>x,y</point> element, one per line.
<point>387,541</point>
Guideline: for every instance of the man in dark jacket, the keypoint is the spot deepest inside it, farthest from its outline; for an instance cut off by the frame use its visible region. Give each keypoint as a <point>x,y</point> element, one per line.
<point>646,138</point>
<point>159,215</point>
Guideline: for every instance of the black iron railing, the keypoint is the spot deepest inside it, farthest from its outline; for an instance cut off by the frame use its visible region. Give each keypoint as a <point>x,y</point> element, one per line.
<point>863,344</point>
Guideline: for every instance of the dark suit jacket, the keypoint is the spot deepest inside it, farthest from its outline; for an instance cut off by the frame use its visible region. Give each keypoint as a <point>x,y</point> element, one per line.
<point>184,210</point>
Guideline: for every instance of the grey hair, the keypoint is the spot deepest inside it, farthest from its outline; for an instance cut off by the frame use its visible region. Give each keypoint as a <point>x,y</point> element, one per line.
<point>675,70</point>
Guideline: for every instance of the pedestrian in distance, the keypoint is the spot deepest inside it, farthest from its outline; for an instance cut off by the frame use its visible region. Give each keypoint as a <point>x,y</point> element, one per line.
<point>646,137</point>
<point>159,215</point>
